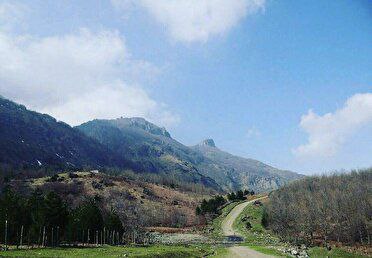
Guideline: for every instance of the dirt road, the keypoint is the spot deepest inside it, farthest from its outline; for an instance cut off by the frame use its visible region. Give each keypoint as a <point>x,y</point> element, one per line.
<point>227,228</point>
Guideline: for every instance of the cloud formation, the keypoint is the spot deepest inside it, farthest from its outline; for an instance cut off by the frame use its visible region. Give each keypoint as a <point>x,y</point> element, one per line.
<point>253,132</point>
<point>329,132</point>
<point>78,77</point>
<point>195,20</point>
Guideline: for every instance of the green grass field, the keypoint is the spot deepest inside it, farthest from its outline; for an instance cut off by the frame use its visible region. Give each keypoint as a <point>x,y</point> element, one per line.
<point>111,251</point>
<point>334,253</point>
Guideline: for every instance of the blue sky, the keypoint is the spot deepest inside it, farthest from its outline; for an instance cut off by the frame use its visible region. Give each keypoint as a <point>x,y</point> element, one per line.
<point>243,72</point>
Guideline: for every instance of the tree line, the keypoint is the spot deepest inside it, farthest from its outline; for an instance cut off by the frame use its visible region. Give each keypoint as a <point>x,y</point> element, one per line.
<point>321,209</point>
<point>44,219</point>
<point>213,205</point>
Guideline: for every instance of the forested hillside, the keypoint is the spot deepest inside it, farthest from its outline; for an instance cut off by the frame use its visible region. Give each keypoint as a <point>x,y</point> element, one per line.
<point>322,209</point>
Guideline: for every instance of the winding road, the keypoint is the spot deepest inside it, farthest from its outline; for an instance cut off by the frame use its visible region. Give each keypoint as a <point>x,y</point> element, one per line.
<point>228,231</point>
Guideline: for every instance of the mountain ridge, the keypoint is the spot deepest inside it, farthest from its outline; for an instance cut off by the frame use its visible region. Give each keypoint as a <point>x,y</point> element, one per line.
<point>33,140</point>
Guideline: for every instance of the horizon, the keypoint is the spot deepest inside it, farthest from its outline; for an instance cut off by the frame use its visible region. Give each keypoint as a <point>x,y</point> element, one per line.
<point>288,84</point>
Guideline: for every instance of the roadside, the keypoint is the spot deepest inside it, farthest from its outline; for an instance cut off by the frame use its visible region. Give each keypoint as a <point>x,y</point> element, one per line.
<point>232,234</point>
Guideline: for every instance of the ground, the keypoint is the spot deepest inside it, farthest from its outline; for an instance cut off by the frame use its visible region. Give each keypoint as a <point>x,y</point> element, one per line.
<point>110,251</point>
<point>258,242</point>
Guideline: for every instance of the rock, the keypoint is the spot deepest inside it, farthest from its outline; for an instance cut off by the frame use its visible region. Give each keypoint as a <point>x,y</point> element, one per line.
<point>303,253</point>
<point>248,225</point>
<point>294,252</point>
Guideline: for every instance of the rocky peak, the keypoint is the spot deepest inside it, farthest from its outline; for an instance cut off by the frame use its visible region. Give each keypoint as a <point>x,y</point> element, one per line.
<point>208,142</point>
<point>143,124</point>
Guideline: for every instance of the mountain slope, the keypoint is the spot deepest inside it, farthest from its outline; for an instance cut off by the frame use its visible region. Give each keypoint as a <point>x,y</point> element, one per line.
<point>32,140</point>
<point>233,172</point>
<point>153,149</point>
<point>148,146</point>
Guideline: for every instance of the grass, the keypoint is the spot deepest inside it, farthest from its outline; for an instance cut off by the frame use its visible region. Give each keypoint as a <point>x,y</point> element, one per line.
<point>267,250</point>
<point>334,253</point>
<point>216,223</point>
<point>257,235</point>
<point>111,251</point>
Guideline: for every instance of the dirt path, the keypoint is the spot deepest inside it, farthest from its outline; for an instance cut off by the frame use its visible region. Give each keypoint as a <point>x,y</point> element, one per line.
<point>227,229</point>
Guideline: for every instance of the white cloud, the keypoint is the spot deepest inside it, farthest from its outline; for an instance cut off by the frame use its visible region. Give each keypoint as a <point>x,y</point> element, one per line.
<point>253,132</point>
<point>195,20</point>
<point>76,77</point>
<point>329,132</point>
<point>11,13</point>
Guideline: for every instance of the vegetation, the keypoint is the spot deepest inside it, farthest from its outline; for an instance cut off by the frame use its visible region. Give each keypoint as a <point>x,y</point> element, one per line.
<point>210,206</point>
<point>215,227</point>
<point>334,253</point>
<point>44,220</point>
<point>239,195</point>
<point>114,251</point>
<point>213,205</point>
<point>322,209</point>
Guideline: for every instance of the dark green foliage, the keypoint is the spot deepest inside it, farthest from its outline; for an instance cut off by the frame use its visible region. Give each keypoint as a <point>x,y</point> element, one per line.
<point>48,212</point>
<point>331,208</point>
<point>14,209</point>
<point>265,218</point>
<point>86,216</point>
<point>248,225</point>
<point>113,222</point>
<point>231,196</point>
<point>238,196</point>
<point>211,206</point>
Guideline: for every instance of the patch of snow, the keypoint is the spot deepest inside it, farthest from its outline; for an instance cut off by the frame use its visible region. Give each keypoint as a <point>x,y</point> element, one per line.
<point>72,154</point>
<point>59,156</point>
<point>69,163</point>
<point>39,163</point>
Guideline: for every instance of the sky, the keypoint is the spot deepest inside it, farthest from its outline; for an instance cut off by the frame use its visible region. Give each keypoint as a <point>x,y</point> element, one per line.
<point>286,82</point>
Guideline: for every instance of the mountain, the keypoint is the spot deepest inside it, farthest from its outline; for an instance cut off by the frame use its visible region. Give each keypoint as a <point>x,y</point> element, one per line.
<point>32,140</point>
<point>155,150</point>
<point>150,147</point>
<point>233,172</point>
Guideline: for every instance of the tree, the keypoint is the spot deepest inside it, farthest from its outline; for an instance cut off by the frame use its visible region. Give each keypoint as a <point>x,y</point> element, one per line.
<point>86,216</point>
<point>231,196</point>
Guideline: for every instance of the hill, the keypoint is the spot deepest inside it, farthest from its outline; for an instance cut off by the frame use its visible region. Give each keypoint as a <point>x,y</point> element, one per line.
<point>323,210</point>
<point>233,172</point>
<point>148,146</point>
<point>153,148</point>
<point>33,140</point>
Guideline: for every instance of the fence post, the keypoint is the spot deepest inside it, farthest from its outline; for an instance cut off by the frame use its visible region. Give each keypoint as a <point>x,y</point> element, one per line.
<point>104,235</point>
<point>43,243</point>
<point>88,236</point>
<point>57,237</point>
<point>52,236</point>
<point>21,241</point>
<point>6,235</point>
